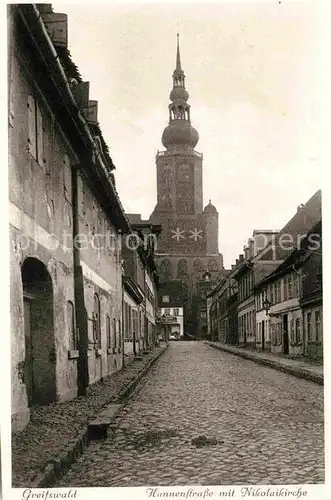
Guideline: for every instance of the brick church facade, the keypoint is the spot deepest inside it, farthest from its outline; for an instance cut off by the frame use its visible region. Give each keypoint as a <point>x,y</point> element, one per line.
<point>188,258</point>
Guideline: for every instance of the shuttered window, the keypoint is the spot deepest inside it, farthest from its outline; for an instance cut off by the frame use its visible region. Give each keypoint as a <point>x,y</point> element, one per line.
<point>114,332</point>
<point>108,327</point>
<point>35,130</point>
<point>67,177</point>
<point>40,136</point>
<point>32,133</point>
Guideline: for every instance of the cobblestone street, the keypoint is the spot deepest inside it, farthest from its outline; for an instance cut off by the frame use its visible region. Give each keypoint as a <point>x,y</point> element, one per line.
<point>206,417</point>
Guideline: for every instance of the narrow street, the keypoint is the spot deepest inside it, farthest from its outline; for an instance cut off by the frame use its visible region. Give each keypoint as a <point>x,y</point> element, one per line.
<point>204,417</point>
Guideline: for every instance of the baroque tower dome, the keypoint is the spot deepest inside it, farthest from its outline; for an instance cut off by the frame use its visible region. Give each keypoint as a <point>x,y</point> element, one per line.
<point>179,133</point>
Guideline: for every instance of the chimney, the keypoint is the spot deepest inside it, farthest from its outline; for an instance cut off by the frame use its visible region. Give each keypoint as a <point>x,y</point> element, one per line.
<point>251,248</point>
<point>241,258</point>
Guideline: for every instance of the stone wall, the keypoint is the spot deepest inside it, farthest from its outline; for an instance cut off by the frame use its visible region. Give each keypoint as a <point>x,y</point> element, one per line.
<point>41,218</point>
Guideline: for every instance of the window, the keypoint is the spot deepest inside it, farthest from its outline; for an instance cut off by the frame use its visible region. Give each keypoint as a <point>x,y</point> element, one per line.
<point>108,330</point>
<point>96,322</point>
<point>114,332</point>
<point>176,311</point>
<point>278,289</point>
<point>73,338</point>
<point>289,286</point>
<point>67,177</point>
<point>130,332</point>
<point>272,298</point>
<point>318,325</point>
<point>165,298</point>
<point>35,130</point>
<point>142,323</point>
<point>119,334</point>
<point>292,331</point>
<point>295,285</point>
<point>298,331</point>
<point>135,323</point>
<point>309,331</point>
<point>285,288</point>
<point>167,311</point>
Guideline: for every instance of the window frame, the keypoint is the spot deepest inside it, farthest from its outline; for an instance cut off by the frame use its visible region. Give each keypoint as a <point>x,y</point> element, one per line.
<point>309,327</point>
<point>298,330</point>
<point>96,321</point>
<point>318,326</point>
<point>108,331</point>
<point>72,330</point>
<point>36,130</point>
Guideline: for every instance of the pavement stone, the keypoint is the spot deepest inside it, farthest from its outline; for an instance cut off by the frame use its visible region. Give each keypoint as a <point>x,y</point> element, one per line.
<point>268,427</point>
<point>306,369</point>
<point>56,427</point>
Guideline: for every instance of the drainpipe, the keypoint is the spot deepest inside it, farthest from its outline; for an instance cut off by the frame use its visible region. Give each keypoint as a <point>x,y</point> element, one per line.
<point>80,310</point>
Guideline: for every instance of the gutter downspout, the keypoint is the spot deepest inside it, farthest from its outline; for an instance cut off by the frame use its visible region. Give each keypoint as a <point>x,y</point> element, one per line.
<point>80,310</point>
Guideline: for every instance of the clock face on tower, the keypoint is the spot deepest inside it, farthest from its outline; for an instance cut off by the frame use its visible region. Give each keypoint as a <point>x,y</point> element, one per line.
<point>185,173</point>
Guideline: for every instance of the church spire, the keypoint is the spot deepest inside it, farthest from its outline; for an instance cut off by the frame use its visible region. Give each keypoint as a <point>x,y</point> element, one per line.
<point>179,131</point>
<point>178,75</point>
<point>178,69</point>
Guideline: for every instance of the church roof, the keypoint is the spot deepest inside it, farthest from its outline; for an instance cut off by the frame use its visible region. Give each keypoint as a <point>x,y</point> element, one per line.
<point>210,208</point>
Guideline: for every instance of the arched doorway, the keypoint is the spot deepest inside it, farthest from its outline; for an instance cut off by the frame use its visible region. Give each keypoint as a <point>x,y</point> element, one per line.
<point>40,358</point>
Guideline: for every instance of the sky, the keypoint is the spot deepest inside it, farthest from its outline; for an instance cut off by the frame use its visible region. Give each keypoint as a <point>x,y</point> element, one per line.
<point>255,75</point>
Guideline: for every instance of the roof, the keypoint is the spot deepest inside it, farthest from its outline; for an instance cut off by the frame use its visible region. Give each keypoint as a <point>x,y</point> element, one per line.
<point>54,74</point>
<point>210,208</point>
<point>295,259</point>
<point>305,218</point>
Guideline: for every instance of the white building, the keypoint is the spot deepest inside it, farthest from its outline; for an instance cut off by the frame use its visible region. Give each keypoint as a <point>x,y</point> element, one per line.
<point>172,321</point>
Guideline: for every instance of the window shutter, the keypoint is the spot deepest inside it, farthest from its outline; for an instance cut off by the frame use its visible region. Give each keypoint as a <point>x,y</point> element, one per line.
<point>40,136</point>
<point>67,177</point>
<point>32,127</point>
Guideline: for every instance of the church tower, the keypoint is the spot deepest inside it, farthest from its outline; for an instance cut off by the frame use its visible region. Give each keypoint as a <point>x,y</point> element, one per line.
<point>188,245</point>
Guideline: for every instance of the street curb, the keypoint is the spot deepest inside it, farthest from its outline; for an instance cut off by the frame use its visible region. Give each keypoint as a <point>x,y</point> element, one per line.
<point>295,371</point>
<point>59,466</point>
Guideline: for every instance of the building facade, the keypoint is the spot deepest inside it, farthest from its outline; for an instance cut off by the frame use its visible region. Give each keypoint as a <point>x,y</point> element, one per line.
<point>311,300</point>
<point>188,246</point>
<point>171,323</point>
<point>142,244</point>
<point>294,295</point>
<point>250,268</point>
<point>66,222</point>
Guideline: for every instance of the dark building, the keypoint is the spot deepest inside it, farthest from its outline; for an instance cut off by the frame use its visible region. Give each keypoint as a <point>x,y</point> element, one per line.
<point>188,246</point>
